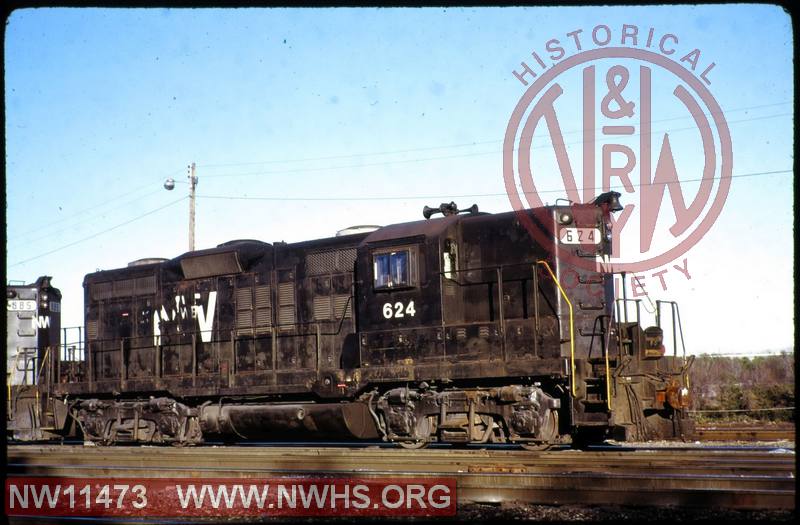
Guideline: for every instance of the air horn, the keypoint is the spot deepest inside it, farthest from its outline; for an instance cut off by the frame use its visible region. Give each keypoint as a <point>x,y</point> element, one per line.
<point>447,209</point>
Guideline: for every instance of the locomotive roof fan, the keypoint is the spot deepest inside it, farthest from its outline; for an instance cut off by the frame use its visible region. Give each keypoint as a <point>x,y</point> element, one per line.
<point>448,209</point>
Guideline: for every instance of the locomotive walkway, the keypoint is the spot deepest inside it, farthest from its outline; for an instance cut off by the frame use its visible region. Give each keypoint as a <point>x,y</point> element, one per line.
<point>738,478</point>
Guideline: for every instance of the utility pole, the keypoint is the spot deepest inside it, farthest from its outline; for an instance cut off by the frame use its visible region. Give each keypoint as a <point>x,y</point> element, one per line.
<point>192,186</point>
<point>169,185</point>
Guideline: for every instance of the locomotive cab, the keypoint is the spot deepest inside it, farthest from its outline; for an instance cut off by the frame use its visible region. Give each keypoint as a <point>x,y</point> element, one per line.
<point>398,292</point>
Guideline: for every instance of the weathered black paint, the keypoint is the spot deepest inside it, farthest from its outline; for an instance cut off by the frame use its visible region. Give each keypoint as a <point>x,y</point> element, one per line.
<point>303,323</point>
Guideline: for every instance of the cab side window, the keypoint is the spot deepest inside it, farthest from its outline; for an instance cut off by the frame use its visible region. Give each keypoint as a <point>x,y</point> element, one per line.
<point>450,259</point>
<point>392,269</point>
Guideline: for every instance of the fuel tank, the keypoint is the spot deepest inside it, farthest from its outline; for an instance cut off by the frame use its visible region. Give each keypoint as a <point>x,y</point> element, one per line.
<point>290,420</point>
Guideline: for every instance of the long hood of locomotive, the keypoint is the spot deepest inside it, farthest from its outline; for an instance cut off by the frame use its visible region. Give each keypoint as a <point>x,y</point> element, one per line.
<point>190,296</point>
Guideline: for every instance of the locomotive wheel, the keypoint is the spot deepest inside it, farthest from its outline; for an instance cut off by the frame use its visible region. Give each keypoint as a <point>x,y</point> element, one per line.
<point>536,446</point>
<point>549,432</point>
<point>424,427</point>
<point>413,445</point>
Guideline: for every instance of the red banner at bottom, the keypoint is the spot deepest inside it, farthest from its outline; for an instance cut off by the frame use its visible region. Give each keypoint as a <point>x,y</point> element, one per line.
<point>230,497</point>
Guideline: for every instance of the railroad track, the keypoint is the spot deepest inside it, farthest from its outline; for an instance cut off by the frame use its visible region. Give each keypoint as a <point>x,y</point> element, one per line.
<point>691,477</point>
<point>714,433</point>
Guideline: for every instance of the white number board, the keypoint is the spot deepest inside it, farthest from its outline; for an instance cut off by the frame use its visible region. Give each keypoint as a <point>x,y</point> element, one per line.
<point>16,305</point>
<point>579,236</point>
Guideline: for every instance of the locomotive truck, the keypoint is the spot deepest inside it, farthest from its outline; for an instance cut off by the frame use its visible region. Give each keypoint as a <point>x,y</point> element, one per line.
<point>452,329</point>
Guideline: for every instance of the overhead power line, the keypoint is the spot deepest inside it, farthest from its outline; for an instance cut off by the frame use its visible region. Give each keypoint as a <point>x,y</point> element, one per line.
<point>105,202</point>
<point>69,225</point>
<point>471,195</point>
<point>448,157</point>
<point>360,198</point>
<point>325,168</point>
<point>98,233</point>
<point>63,220</point>
<point>447,146</point>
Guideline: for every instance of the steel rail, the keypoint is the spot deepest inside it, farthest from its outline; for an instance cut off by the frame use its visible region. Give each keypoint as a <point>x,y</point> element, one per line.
<point>750,480</point>
<point>744,434</point>
<point>424,458</point>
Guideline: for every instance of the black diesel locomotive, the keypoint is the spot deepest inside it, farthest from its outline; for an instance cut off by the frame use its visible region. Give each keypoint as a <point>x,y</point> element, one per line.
<point>456,329</point>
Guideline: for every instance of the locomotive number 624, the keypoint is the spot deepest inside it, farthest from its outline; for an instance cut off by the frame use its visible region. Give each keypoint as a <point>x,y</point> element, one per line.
<point>398,309</point>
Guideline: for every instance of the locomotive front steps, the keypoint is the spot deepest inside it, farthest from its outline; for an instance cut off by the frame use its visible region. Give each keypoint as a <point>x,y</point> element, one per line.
<point>595,401</point>
<point>594,393</point>
<point>594,406</point>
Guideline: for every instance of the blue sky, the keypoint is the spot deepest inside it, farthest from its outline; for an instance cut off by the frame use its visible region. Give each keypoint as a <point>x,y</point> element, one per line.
<point>365,109</point>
